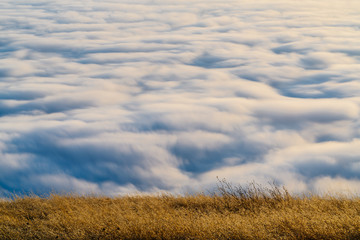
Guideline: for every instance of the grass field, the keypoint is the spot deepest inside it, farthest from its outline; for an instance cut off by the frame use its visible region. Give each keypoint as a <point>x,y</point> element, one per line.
<point>232,212</point>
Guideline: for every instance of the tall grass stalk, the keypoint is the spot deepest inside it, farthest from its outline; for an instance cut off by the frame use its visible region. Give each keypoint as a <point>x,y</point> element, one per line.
<point>230,212</point>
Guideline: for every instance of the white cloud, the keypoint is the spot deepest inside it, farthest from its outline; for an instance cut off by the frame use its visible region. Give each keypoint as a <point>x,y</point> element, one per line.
<point>144,95</point>
<point>61,182</point>
<point>338,185</point>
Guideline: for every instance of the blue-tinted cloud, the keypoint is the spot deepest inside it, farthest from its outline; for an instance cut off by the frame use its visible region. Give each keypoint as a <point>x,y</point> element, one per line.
<point>108,97</point>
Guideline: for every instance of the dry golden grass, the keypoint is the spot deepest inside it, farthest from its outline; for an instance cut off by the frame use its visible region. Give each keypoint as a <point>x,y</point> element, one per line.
<point>233,213</point>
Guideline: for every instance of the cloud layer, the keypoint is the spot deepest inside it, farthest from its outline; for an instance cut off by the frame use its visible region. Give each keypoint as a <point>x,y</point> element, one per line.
<point>108,97</point>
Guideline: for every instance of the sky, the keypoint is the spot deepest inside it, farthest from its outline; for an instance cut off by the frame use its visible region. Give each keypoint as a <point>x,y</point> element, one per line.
<point>115,97</point>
